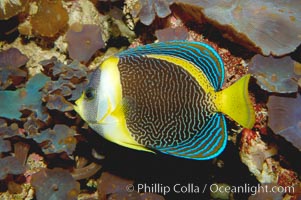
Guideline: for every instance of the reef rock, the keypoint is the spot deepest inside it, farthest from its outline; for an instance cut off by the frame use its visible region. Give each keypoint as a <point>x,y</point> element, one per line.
<point>83,41</point>
<point>12,102</point>
<point>272,26</point>
<point>147,10</point>
<point>285,118</point>
<point>55,184</point>
<point>275,74</point>
<point>10,8</point>
<point>56,15</point>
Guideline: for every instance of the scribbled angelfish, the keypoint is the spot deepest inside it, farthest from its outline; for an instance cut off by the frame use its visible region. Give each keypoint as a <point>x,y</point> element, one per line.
<point>166,97</point>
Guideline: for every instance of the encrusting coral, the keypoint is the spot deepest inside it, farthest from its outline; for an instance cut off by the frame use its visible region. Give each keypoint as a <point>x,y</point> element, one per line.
<point>148,9</point>
<point>275,74</point>
<point>10,165</point>
<point>115,187</point>
<point>285,118</point>
<point>23,98</point>
<point>167,34</point>
<point>5,145</point>
<point>10,8</point>
<point>271,26</point>
<point>69,82</point>
<point>47,62</point>
<point>55,184</point>
<point>56,15</point>
<point>10,62</point>
<point>83,41</point>
<point>60,139</point>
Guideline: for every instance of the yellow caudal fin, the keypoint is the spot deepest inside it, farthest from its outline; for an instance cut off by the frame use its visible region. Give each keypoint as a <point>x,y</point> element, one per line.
<point>234,101</point>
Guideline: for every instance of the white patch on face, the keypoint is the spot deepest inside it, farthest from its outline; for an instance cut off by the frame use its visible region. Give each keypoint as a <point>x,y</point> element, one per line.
<point>110,88</point>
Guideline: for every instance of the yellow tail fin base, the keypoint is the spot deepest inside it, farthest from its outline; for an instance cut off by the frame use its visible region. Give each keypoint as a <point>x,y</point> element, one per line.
<point>234,101</point>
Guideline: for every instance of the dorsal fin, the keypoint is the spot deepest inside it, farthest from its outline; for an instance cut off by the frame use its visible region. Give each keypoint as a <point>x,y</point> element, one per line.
<point>199,54</point>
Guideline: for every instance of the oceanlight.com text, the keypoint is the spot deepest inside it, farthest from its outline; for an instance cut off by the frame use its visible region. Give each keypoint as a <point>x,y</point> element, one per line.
<point>246,188</point>
<point>192,188</point>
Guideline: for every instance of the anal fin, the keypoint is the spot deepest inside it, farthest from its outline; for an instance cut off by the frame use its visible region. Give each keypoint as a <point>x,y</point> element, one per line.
<point>206,144</point>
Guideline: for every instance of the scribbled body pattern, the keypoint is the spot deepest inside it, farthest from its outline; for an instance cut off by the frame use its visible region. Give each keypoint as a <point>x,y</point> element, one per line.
<point>166,97</point>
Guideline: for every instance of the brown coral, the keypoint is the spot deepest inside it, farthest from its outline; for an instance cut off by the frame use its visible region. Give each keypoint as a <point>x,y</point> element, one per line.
<point>54,13</point>
<point>54,184</point>
<point>10,8</point>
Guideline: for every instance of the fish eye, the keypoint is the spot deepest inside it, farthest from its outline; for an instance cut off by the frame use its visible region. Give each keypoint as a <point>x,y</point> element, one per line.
<point>90,93</point>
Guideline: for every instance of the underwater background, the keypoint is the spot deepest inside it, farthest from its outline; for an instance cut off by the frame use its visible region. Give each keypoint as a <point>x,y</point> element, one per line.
<point>48,50</point>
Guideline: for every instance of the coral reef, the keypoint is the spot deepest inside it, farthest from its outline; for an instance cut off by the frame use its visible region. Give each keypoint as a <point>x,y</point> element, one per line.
<point>5,145</point>
<point>86,171</point>
<point>54,184</point>
<point>109,184</point>
<point>148,9</point>
<point>178,33</point>
<point>70,82</point>
<point>285,118</point>
<point>271,26</point>
<point>275,74</point>
<point>10,62</point>
<point>24,98</point>
<point>115,187</point>
<point>10,8</point>
<point>8,130</point>
<point>58,103</point>
<point>254,153</point>
<point>10,165</point>
<point>83,41</point>
<point>55,13</point>
<point>48,50</point>
<point>59,139</point>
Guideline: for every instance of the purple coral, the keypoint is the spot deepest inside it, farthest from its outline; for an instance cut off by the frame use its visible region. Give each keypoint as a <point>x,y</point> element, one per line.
<point>285,118</point>
<point>10,165</point>
<point>60,139</point>
<point>83,41</point>
<point>273,26</point>
<point>5,145</point>
<point>10,62</point>
<point>8,131</point>
<point>54,184</point>
<point>115,187</point>
<point>56,102</point>
<point>71,81</point>
<point>68,82</point>
<point>274,74</point>
<point>12,57</point>
<point>109,184</point>
<point>148,9</point>
<point>167,34</point>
